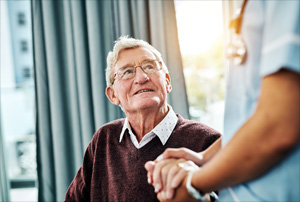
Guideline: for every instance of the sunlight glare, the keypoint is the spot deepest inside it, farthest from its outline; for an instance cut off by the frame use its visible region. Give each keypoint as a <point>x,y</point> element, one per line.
<point>199,24</point>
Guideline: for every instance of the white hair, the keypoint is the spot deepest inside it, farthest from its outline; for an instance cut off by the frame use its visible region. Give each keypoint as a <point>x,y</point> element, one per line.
<point>125,42</point>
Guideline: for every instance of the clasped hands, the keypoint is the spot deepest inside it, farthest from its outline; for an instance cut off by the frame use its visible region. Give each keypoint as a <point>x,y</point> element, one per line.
<point>169,171</point>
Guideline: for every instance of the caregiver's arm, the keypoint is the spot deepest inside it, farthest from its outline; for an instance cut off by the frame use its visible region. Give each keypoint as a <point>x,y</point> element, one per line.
<point>263,141</point>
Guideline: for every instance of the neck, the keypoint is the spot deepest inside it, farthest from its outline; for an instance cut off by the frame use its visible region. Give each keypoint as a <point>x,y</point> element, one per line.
<point>143,122</point>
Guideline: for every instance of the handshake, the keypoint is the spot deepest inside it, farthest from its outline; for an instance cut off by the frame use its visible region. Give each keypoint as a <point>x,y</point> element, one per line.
<point>171,175</point>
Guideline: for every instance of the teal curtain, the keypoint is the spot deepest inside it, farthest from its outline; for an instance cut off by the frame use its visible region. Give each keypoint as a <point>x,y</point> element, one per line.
<point>71,41</point>
<point>4,184</point>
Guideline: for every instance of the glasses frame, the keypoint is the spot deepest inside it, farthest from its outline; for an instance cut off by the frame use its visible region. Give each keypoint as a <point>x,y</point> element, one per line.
<point>135,67</point>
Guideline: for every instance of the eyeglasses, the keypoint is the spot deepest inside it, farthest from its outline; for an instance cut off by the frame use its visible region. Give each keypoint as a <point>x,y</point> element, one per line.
<point>128,72</point>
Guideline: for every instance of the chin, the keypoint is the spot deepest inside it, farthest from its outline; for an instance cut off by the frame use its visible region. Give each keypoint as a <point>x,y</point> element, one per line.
<point>142,105</point>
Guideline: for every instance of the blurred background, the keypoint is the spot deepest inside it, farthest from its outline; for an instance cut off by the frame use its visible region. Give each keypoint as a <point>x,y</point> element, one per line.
<point>199,32</point>
<point>18,100</point>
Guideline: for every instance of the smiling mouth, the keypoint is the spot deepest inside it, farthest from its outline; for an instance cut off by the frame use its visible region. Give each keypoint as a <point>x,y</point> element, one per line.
<point>142,91</point>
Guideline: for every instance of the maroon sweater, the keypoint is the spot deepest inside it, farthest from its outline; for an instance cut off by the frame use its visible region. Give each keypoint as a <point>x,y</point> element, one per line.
<point>114,171</point>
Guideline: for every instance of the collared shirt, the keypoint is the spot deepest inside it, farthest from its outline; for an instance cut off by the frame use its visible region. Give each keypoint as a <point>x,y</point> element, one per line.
<point>163,130</point>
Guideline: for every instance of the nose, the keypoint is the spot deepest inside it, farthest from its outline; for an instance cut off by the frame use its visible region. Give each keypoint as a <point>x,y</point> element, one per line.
<point>140,75</point>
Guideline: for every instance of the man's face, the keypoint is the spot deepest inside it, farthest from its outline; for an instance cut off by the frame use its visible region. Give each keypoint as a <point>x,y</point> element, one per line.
<point>142,91</point>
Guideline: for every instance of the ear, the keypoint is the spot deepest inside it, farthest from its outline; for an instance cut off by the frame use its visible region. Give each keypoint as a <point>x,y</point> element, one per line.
<point>110,94</point>
<point>168,80</point>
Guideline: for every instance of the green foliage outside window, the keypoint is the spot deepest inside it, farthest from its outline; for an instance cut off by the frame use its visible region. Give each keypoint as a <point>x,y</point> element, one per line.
<point>204,77</point>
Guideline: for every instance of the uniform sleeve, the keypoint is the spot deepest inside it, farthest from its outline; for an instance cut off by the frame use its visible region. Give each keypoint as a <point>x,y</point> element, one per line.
<point>79,189</point>
<point>281,37</point>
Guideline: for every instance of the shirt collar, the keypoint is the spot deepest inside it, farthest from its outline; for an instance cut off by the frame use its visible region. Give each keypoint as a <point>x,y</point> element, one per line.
<point>163,130</point>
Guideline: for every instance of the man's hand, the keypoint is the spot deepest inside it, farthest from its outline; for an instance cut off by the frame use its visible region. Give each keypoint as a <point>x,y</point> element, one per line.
<point>168,174</point>
<point>180,194</point>
<point>183,153</point>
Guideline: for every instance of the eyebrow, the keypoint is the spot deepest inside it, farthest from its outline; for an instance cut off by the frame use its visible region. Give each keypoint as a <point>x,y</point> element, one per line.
<point>144,61</point>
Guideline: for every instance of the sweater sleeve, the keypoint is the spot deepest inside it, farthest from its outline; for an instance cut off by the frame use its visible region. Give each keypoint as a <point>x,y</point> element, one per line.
<point>211,137</point>
<point>79,189</point>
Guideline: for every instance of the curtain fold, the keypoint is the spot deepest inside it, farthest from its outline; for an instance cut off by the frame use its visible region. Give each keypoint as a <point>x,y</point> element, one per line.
<point>71,42</point>
<point>164,37</point>
<point>4,183</point>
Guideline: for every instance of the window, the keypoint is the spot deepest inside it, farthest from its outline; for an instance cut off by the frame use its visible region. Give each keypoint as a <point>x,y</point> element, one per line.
<point>24,46</point>
<point>17,100</point>
<point>21,19</point>
<point>26,72</point>
<point>200,31</point>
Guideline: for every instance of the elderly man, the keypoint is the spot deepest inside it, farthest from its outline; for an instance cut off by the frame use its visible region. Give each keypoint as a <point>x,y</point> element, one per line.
<point>113,166</point>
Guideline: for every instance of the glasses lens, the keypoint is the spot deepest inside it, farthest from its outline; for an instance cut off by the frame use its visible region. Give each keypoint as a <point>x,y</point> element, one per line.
<point>150,67</point>
<point>126,73</point>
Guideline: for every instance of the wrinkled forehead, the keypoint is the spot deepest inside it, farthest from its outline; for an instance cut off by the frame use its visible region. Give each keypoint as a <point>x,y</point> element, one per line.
<point>133,56</point>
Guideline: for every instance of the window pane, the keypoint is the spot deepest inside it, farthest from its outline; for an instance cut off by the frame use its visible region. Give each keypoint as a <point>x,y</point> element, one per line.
<point>21,18</point>
<point>200,30</point>
<point>17,100</point>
